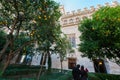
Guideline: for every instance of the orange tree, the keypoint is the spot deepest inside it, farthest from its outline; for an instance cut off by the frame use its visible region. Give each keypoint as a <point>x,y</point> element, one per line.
<point>36,18</point>
<point>16,16</point>
<point>100,35</point>
<point>62,48</point>
<point>48,27</point>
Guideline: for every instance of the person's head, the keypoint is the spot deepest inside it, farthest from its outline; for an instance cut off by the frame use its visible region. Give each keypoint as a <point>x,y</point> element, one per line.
<point>82,67</point>
<point>78,66</point>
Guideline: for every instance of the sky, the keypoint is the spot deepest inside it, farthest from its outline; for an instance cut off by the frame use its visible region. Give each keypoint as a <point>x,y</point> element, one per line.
<point>71,5</point>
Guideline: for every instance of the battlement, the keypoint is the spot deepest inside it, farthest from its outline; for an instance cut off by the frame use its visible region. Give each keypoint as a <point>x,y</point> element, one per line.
<point>89,10</point>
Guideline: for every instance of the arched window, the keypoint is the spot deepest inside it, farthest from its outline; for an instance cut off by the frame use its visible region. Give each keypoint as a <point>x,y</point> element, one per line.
<point>65,21</point>
<point>71,21</point>
<point>77,19</point>
<point>71,38</point>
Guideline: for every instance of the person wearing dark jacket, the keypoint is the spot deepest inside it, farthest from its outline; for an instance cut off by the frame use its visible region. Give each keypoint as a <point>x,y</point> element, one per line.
<point>76,72</point>
<point>84,74</point>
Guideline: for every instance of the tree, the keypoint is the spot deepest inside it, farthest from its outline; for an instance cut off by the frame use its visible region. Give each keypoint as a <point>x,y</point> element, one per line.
<point>38,19</point>
<point>18,42</point>
<point>27,50</point>
<point>50,28</point>
<point>62,47</point>
<point>100,35</point>
<point>16,16</point>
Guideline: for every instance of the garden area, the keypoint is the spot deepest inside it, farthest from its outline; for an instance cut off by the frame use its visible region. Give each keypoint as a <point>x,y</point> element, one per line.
<point>25,72</point>
<point>30,27</point>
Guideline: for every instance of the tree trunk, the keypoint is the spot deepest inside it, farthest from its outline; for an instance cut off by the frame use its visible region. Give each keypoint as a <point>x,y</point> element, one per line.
<point>7,63</point>
<point>41,67</point>
<point>61,65</point>
<point>8,40</point>
<point>12,54</point>
<point>49,61</point>
<point>5,66</point>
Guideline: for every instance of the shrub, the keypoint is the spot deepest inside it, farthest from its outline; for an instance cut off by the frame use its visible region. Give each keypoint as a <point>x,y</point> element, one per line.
<point>92,76</point>
<point>66,76</point>
<point>21,70</point>
<point>103,76</point>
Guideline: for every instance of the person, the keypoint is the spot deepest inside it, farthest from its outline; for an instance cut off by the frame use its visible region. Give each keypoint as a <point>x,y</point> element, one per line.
<point>86,70</point>
<point>84,74</point>
<point>76,72</point>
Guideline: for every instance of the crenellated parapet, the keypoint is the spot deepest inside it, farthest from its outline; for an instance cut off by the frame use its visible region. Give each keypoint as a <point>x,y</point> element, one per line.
<point>74,17</point>
<point>90,10</point>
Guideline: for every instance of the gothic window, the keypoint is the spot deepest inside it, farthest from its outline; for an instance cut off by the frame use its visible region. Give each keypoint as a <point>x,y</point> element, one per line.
<point>65,21</point>
<point>71,21</point>
<point>71,38</point>
<point>77,19</point>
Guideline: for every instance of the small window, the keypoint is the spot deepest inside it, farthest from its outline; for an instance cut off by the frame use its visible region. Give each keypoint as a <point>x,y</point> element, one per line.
<point>71,21</point>
<point>65,21</point>
<point>77,19</point>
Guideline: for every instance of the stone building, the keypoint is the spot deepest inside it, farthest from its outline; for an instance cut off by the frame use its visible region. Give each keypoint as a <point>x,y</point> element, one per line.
<point>69,22</point>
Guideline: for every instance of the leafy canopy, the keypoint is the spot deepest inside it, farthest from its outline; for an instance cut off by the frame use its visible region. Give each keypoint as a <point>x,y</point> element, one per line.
<point>100,35</point>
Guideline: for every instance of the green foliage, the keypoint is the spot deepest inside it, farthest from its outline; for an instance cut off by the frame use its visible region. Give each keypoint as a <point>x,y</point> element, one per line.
<point>21,70</point>
<point>62,46</point>
<point>22,38</point>
<point>54,75</point>
<point>38,19</point>
<point>107,76</point>
<point>47,25</point>
<point>48,28</point>
<point>100,36</point>
<point>16,17</point>
<point>57,76</point>
<point>67,76</point>
<point>12,10</point>
<point>92,76</point>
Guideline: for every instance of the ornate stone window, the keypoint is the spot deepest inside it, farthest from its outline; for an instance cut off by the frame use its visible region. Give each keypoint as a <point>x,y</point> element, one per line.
<point>71,21</point>
<point>71,38</point>
<point>77,19</point>
<point>65,21</point>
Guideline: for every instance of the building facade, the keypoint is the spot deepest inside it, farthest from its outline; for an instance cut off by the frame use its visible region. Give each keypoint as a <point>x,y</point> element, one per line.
<point>69,22</point>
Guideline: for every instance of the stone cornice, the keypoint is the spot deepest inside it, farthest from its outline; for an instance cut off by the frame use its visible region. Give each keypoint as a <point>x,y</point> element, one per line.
<point>76,14</point>
<point>70,24</point>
